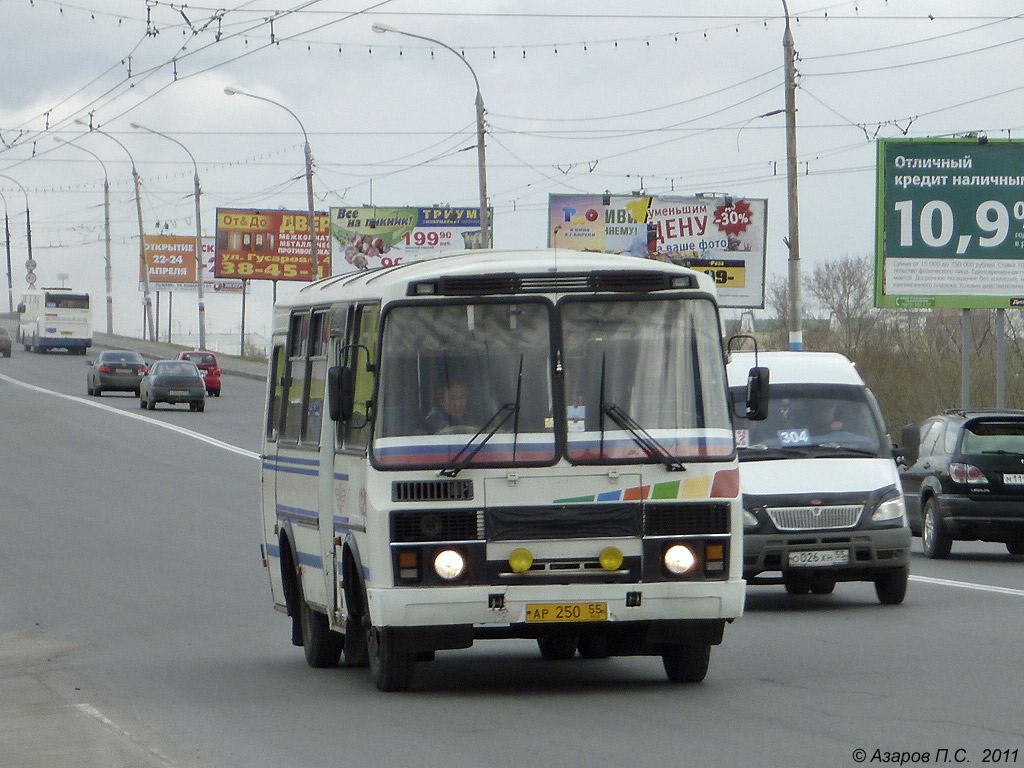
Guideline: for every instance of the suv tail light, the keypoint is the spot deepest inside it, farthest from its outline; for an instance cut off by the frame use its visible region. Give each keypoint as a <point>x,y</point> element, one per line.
<point>966,473</point>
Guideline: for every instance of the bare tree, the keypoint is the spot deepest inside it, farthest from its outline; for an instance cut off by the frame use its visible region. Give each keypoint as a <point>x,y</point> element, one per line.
<point>844,288</point>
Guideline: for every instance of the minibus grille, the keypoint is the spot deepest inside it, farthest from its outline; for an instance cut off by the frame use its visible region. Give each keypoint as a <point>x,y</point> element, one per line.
<point>570,521</point>
<point>817,518</point>
<point>449,489</point>
<point>685,519</point>
<point>436,525</point>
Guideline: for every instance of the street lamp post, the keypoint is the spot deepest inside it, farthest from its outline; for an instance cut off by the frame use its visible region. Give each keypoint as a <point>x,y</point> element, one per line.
<point>199,238</point>
<point>107,269</point>
<point>7,240</point>
<point>485,237</point>
<point>30,265</point>
<point>150,320</point>
<point>309,174</point>
<point>796,334</point>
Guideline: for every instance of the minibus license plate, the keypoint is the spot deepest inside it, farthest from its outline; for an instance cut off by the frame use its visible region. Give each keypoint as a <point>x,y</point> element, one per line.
<point>542,612</point>
<point>818,558</point>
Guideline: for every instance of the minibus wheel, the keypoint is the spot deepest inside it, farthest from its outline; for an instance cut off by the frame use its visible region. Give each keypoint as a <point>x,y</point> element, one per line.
<point>321,645</point>
<point>687,663</point>
<point>391,669</point>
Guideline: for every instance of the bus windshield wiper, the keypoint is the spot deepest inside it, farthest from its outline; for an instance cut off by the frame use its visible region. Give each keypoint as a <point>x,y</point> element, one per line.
<point>642,437</point>
<point>460,461</point>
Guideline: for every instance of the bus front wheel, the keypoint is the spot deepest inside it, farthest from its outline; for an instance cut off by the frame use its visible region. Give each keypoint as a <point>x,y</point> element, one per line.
<point>320,643</point>
<point>687,663</point>
<point>391,668</point>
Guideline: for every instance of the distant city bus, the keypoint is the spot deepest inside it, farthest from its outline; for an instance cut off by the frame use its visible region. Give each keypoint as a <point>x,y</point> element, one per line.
<point>503,445</point>
<point>55,318</point>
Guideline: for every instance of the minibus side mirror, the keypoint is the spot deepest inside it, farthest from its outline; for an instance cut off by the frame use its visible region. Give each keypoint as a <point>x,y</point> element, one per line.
<point>341,392</point>
<point>910,444</point>
<point>21,308</point>
<point>757,394</point>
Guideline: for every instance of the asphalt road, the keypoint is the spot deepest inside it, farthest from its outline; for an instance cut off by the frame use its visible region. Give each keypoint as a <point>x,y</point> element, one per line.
<point>136,629</point>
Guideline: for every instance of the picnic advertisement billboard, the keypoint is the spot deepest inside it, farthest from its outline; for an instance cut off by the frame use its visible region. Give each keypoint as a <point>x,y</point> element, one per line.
<point>370,236</point>
<point>722,236</point>
<point>270,245</point>
<point>949,224</point>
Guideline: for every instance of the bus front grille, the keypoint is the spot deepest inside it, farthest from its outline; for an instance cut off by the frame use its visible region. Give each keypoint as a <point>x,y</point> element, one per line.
<point>685,519</point>
<point>436,525</point>
<point>449,489</point>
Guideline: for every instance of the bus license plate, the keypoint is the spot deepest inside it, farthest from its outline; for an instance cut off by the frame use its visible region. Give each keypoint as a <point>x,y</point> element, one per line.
<point>544,612</point>
<point>819,558</point>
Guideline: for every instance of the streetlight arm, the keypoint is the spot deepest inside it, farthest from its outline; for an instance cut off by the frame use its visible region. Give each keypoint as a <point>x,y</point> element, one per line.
<point>384,28</point>
<point>235,92</point>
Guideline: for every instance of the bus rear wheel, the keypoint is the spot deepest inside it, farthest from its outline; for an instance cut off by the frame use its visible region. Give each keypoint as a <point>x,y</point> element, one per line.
<point>320,643</point>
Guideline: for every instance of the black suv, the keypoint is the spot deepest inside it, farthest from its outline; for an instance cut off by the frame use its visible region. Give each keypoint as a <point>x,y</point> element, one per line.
<point>963,479</point>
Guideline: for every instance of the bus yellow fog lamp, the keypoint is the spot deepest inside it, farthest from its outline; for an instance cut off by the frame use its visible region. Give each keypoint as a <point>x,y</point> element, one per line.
<point>610,558</point>
<point>520,560</point>
<point>679,559</point>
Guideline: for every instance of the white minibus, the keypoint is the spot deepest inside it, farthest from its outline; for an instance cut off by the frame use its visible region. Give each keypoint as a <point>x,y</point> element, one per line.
<point>502,444</point>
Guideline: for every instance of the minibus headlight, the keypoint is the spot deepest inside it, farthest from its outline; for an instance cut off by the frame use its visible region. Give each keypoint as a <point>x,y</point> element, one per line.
<point>889,509</point>
<point>679,559</point>
<point>749,520</point>
<point>449,564</point>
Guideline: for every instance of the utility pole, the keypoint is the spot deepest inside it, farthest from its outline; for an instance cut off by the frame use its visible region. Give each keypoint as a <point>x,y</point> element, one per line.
<point>796,334</point>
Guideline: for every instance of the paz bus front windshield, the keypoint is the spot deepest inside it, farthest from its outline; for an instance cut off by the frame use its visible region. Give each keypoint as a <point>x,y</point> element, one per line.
<point>488,383</point>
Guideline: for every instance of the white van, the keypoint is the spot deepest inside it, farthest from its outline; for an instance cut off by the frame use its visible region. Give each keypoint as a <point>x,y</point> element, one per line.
<point>822,500</point>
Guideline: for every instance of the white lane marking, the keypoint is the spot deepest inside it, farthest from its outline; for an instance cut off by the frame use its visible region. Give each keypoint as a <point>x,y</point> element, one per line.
<point>968,585</point>
<point>110,725</point>
<point>110,409</point>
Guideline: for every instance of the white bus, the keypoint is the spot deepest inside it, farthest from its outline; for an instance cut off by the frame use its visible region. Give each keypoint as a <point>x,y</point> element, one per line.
<point>55,318</point>
<point>496,444</point>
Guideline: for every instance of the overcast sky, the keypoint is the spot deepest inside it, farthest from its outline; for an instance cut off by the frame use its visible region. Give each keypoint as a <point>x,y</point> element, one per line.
<point>671,97</point>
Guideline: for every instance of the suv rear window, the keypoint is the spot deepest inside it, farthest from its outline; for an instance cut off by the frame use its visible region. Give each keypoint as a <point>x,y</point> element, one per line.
<point>993,437</point>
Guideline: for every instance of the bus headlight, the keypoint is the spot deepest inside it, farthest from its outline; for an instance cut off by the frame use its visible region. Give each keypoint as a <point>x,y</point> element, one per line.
<point>449,564</point>
<point>679,559</point>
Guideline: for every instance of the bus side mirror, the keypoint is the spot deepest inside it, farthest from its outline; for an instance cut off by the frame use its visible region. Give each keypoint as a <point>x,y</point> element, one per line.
<point>910,444</point>
<point>757,394</point>
<point>341,392</point>
<point>21,308</point>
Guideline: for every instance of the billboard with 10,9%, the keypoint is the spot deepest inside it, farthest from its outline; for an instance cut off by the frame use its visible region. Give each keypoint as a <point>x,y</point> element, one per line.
<point>949,224</point>
<point>270,245</point>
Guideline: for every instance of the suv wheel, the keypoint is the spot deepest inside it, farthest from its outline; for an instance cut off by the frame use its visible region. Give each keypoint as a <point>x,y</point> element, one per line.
<point>937,544</point>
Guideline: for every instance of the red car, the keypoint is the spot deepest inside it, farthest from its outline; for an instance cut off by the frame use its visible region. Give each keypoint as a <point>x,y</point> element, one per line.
<point>208,365</point>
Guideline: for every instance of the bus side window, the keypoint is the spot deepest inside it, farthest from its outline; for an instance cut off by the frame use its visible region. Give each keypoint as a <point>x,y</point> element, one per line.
<point>298,344</point>
<point>361,352</point>
<point>274,411</point>
<point>314,412</point>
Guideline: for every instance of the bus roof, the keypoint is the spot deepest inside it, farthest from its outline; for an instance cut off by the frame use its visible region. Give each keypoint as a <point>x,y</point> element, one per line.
<point>392,282</point>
